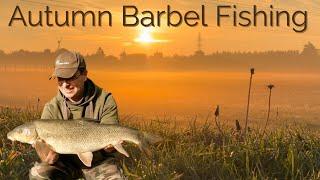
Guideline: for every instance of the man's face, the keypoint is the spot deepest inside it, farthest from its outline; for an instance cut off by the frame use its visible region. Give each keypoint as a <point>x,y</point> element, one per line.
<point>72,88</point>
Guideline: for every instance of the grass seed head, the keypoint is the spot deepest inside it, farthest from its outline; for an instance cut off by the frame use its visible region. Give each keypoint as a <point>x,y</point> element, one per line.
<point>270,86</point>
<point>252,71</point>
<point>217,112</point>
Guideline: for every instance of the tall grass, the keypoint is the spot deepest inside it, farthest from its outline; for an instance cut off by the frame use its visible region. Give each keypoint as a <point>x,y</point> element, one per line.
<point>15,159</point>
<point>248,102</point>
<point>197,151</point>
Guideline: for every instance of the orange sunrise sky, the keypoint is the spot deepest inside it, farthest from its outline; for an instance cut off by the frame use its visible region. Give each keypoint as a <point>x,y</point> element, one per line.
<point>181,40</point>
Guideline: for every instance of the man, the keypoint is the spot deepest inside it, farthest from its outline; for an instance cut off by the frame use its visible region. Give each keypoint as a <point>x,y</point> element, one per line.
<point>77,97</point>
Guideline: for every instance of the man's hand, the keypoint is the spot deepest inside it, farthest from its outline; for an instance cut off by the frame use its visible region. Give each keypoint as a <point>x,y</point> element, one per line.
<point>52,157</point>
<point>45,153</point>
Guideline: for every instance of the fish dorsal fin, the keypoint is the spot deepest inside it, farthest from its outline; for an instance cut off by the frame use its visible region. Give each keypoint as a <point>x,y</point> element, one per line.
<point>120,149</point>
<point>86,158</point>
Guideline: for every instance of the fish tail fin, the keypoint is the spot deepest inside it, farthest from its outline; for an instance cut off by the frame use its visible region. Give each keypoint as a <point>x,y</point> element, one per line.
<point>147,140</point>
<point>151,138</point>
<point>145,148</point>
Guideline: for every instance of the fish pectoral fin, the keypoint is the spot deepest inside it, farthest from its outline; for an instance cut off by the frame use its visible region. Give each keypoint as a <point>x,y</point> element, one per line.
<point>120,149</point>
<point>86,158</point>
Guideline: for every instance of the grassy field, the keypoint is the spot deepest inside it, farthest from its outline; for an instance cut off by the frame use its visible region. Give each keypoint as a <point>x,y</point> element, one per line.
<point>197,151</point>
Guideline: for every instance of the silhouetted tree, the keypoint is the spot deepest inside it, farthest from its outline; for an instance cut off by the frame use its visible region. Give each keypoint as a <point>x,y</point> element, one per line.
<point>309,50</point>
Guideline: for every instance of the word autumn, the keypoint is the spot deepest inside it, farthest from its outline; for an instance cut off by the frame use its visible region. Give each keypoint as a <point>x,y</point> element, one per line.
<point>225,15</point>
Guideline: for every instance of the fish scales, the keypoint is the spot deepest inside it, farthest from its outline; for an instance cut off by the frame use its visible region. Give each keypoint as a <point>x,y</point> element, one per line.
<point>82,136</point>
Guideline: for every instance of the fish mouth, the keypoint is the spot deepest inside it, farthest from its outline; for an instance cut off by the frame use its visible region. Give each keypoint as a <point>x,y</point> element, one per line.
<point>9,136</point>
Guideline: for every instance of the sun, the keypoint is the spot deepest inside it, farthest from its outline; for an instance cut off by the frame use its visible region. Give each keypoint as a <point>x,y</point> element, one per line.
<point>145,36</point>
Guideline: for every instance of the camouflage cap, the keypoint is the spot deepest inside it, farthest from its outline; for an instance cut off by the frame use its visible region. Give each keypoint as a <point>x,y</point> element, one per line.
<point>67,64</point>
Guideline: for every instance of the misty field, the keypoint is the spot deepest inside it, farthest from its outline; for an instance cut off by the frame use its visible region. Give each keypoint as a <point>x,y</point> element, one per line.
<point>182,95</point>
<point>198,150</point>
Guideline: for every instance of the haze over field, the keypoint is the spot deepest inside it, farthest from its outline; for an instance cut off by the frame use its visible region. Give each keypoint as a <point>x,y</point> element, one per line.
<point>182,94</point>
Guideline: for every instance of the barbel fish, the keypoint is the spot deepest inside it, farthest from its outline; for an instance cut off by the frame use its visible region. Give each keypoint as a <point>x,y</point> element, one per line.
<point>81,137</point>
